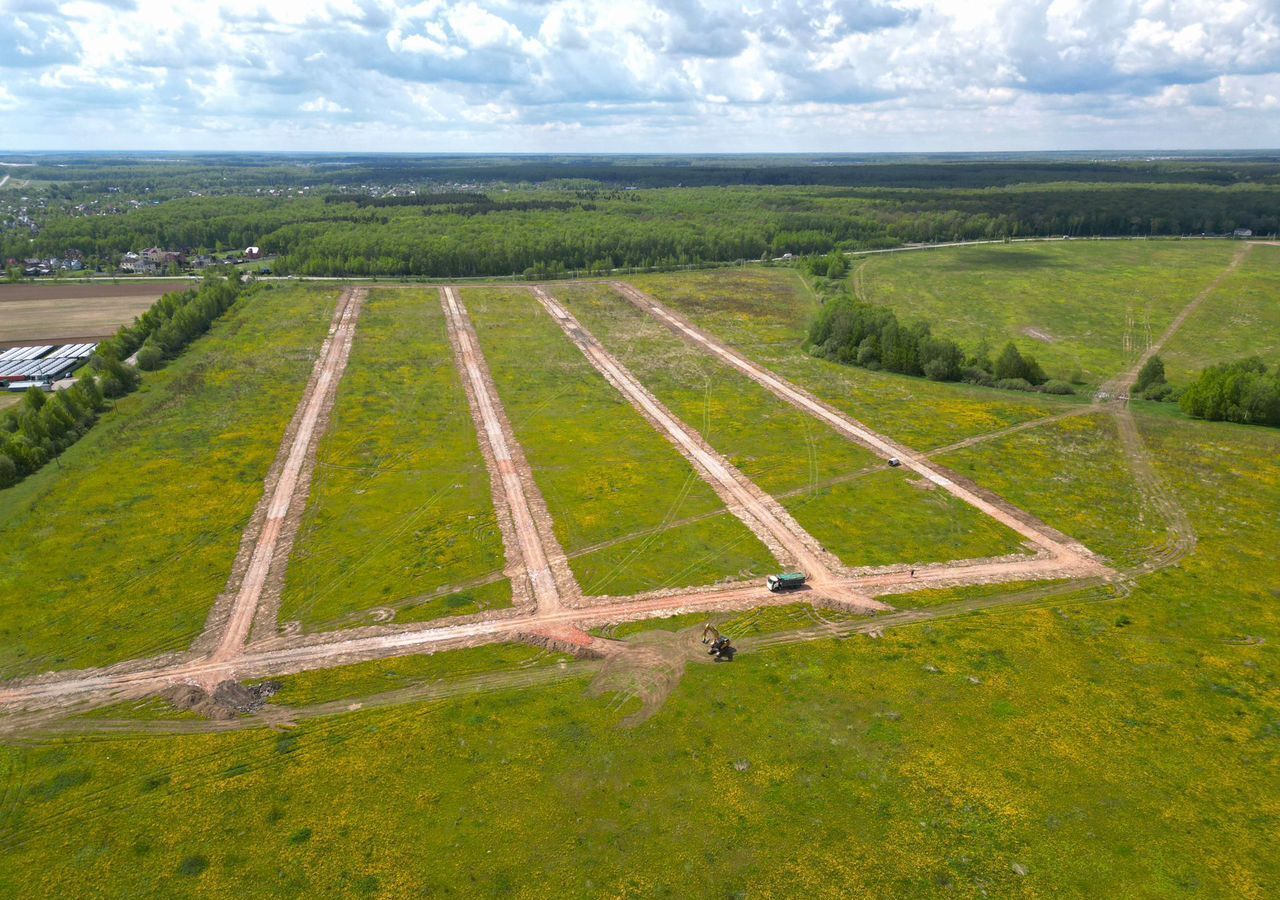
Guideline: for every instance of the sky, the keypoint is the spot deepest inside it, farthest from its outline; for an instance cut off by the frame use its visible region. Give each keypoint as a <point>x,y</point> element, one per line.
<point>664,76</point>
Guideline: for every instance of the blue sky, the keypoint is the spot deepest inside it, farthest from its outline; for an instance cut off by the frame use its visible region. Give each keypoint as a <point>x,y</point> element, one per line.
<point>648,75</point>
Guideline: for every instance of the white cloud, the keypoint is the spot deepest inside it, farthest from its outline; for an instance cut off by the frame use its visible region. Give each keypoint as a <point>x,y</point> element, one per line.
<point>323,105</point>
<point>646,74</point>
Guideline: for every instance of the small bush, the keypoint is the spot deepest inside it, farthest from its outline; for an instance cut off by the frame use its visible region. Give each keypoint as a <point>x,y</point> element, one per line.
<point>150,357</point>
<point>1162,391</point>
<point>193,865</point>
<point>8,471</point>
<point>1014,384</point>
<point>1151,375</point>
<point>111,386</point>
<point>1056,386</point>
<point>975,375</point>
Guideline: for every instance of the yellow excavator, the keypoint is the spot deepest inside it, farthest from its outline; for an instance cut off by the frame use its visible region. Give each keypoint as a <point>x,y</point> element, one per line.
<point>719,645</point>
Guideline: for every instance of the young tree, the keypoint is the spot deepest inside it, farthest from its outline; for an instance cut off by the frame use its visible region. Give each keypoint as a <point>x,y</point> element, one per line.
<point>1150,375</point>
<point>1010,364</point>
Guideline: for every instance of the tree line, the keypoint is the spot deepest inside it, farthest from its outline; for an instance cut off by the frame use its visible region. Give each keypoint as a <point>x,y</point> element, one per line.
<point>43,425</point>
<point>849,331</point>
<point>576,231</point>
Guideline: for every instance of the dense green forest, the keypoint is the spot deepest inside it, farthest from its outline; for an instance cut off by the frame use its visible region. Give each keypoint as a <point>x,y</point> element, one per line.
<point>454,217</point>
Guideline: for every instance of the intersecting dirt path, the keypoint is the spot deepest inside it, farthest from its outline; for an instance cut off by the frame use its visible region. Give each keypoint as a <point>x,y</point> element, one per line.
<point>1121,385</point>
<point>264,557</point>
<point>884,447</point>
<point>784,536</point>
<point>556,613</point>
<point>536,561</point>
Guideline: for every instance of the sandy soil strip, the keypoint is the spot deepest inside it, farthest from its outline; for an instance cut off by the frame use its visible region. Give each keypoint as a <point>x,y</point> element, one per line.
<point>855,430</point>
<point>325,651</point>
<point>530,543</point>
<point>790,543</point>
<point>268,550</point>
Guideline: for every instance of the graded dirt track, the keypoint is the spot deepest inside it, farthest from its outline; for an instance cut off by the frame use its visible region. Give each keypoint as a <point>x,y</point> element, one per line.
<point>540,572</point>
<point>222,653</point>
<point>879,444</point>
<point>790,543</point>
<point>288,485</point>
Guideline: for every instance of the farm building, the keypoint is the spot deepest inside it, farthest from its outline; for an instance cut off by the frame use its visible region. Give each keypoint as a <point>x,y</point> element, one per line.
<point>22,367</point>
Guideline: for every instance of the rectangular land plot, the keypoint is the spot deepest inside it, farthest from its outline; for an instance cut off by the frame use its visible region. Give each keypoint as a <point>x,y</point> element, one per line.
<point>1091,306</point>
<point>400,514</point>
<point>58,312</point>
<point>1240,318</point>
<point>121,548</point>
<point>765,313</point>
<point>615,488</point>
<point>842,494</point>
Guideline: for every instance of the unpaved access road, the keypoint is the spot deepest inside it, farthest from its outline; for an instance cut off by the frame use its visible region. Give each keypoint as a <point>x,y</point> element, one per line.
<point>1120,387</point>
<point>531,547</point>
<point>326,651</point>
<point>764,516</point>
<point>877,443</point>
<point>273,544</point>
<point>265,552</point>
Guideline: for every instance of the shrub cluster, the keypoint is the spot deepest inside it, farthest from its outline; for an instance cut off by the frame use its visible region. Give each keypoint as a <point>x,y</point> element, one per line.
<point>860,334</point>
<point>1241,391</point>
<point>1151,383</point>
<point>44,425</point>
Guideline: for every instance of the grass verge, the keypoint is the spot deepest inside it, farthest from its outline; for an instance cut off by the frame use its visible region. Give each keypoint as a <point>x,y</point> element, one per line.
<point>605,472</point>
<point>400,505</point>
<point>120,548</point>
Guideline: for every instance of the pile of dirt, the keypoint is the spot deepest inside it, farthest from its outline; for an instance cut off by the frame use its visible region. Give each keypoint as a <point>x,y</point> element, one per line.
<point>228,700</point>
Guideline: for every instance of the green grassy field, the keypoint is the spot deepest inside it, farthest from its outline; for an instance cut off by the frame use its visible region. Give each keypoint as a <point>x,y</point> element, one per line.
<point>878,518</point>
<point>378,676</point>
<point>765,313</point>
<point>1241,318</point>
<point>1073,475</point>
<point>1072,304</point>
<point>121,548</point>
<point>400,506</point>
<point>605,473</point>
<point>1124,748</point>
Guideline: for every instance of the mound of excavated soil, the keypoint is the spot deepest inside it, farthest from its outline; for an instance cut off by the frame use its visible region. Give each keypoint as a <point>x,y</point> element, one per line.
<point>228,700</point>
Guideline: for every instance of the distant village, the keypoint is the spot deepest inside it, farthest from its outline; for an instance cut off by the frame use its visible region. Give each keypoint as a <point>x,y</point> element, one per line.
<point>151,261</point>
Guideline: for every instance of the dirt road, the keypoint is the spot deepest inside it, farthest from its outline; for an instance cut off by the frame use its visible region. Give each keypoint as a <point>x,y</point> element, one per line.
<point>269,552</point>
<point>1120,386</point>
<point>529,538</point>
<point>877,443</point>
<point>324,651</point>
<point>793,546</point>
<point>530,543</point>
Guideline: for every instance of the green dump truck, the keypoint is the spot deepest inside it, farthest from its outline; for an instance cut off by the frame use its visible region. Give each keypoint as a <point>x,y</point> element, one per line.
<point>787,581</point>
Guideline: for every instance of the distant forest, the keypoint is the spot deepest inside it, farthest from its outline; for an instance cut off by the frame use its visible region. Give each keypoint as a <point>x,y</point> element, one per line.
<point>458,217</point>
